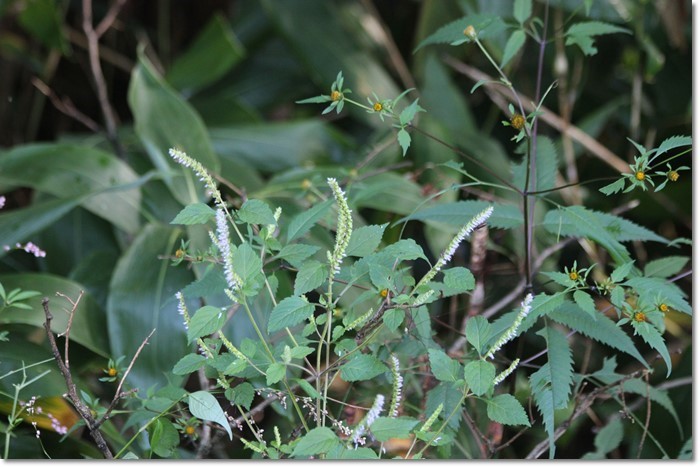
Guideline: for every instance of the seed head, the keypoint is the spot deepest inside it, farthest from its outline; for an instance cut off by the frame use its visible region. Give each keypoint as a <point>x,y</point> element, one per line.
<point>517,121</point>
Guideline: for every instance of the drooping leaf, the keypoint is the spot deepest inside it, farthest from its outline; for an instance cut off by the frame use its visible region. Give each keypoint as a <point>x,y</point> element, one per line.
<point>672,143</point>
<point>586,303</point>
<point>362,367</point>
<point>652,337</point>
<point>289,312</point>
<point>560,366</point>
<point>204,406</point>
<point>443,367</point>
<point>485,25</point>
<point>506,409</point>
<point>582,34</point>
<point>404,139</point>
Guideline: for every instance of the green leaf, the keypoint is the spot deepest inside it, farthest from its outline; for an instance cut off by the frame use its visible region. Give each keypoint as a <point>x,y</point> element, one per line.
<point>247,265</point>
<point>364,240</point>
<point>317,441</point>
<point>672,143</point>
<point>457,280</point>
<point>341,452</point>
<point>506,409</point>
<point>295,254</point>
<point>393,318</point>
<point>478,331</point>
<point>560,278</point>
<point>188,364</point>
<point>660,396</point>
<point>614,187</point>
<point>505,216</point>
<point>204,406</point>
<point>513,46</point>
<point>361,368</point>
<point>586,303</point>
<point>404,139</point>
<point>241,394</point>
<point>163,437</point>
<point>311,275</point>
<point>213,52</point>
<point>314,100</point>
<point>385,428</point>
<point>289,312</point>
<point>652,337</point>
<point>387,192</point>
<point>106,185</point>
<point>603,329</point>
<point>450,396</point>
<point>522,10</point>
<point>479,376</point>
<point>43,20</point>
<point>665,267</point>
<point>582,34</point>
<point>308,389</point>
<point>621,272</point>
<point>301,351</point>
<point>546,165</point>
<point>405,250</point>
<point>193,214</point>
<point>485,25</point>
<point>164,120</point>
<point>607,439</point>
<point>255,211</point>
<point>275,373</point>
<point>443,367</point>
<point>542,305</point>
<point>207,320</point>
<point>407,114</point>
<point>651,288</point>
<point>303,222</point>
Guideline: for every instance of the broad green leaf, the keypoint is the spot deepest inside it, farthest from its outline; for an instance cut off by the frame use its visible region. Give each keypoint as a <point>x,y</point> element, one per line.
<point>650,289</point>
<point>450,396</point>
<point>387,192</point>
<point>407,114</point>
<point>303,222</point>
<point>652,337</point>
<point>213,52</point>
<point>586,303</point>
<point>582,34</point>
<point>255,211</point>
<point>296,253</point>
<point>361,368</point>
<point>486,26</point>
<point>607,439</point>
<point>504,216</point>
<point>248,266</point>
<point>164,120</point>
<point>205,407</point>
<point>211,283</point>
<point>188,364</point>
<point>207,320</point>
<point>513,46</point>
<point>289,312</point>
<point>364,240</point>
<point>192,214</point>
<point>522,10</point>
<point>405,250</point>
<point>506,409</point>
<point>385,428</point>
<point>163,437</point>
<point>341,452</point>
<point>43,20</point>
<point>242,394</point>
<point>317,441</point>
<point>542,305</point>
<point>457,280</point>
<point>479,375</point>
<point>393,318</point>
<point>142,297</point>
<point>404,138</point>
<point>275,373</point>
<point>546,164</point>
<point>89,327</point>
<point>69,171</point>
<point>308,388</point>
<point>443,367</point>
<point>478,332</point>
<point>301,351</point>
<point>602,329</point>
<point>665,267</point>
<point>621,272</point>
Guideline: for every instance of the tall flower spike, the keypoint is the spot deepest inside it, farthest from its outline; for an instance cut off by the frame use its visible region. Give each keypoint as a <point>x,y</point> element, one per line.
<point>344,229</point>
<point>186,161</point>
<point>366,422</point>
<point>224,244</point>
<point>505,373</point>
<point>182,310</point>
<point>396,387</point>
<point>513,329</point>
<point>463,233</point>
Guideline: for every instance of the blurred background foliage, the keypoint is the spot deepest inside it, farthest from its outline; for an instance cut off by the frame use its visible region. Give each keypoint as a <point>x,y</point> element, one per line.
<point>219,79</point>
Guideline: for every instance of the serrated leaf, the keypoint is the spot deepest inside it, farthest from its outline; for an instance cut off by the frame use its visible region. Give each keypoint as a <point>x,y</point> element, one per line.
<point>603,329</point>
<point>652,288</point>
<point>522,10</point>
<point>303,222</point>
<point>560,366</point>
<point>295,254</point>
<point>665,267</point>
<point>457,280</point>
<point>450,396</point>
<point>404,250</point>
<point>506,409</point>
<point>385,428</point>
<point>407,114</point>
<point>672,143</point>
<point>301,351</point>
<point>275,373</point>
<point>607,439</point>
<point>513,46</point>
<point>317,441</point>
<point>614,187</point>
<point>443,367</point>
<point>207,320</point>
<point>404,139</point>
<point>361,368</point>
<point>393,318</point>
<point>192,214</point>
<point>586,303</point>
<point>582,34</point>
<point>255,211</point>
<point>542,305</point>
<point>479,375</point>
<point>652,337</point>
<point>341,452</point>
<point>204,406</point>
<point>617,297</point>
<point>188,364</point>
<point>505,216</point>
<point>478,332</point>
<point>289,312</point>
<point>560,278</point>
<point>311,275</point>
<point>246,262</point>
<point>621,272</point>
<point>241,394</point>
<point>485,25</point>
<point>364,240</point>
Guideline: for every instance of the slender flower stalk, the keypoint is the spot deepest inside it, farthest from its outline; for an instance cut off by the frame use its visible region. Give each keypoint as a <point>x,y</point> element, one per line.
<point>463,233</point>
<point>396,387</point>
<point>505,373</point>
<point>366,422</point>
<point>182,310</point>
<point>223,241</point>
<point>344,230</point>
<point>512,331</point>
<point>429,422</point>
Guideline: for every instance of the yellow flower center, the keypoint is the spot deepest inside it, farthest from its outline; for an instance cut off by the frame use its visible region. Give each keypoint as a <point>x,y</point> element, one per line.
<point>673,176</point>
<point>639,317</point>
<point>573,275</point>
<point>179,253</point>
<point>336,95</point>
<point>663,307</point>
<point>384,293</point>
<point>470,32</point>
<point>639,175</point>
<point>517,121</point>
<point>378,107</point>
<point>112,372</point>
<point>189,430</point>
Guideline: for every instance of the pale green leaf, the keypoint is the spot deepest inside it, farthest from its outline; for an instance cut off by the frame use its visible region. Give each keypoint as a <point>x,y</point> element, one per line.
<point>522,10</point>
<point>275,373</point>
<point>393,318</point>
<point>652,337</point>
<point>317,441</point>
<point>311,275</point>
<point>506,409</point>
<point>485,25</point>
<point>650,289</point>
<point>385,428</point>
<point>207,320</point>
<point>513,46</point>
<point>443,367</point>
<point>404,139</point>
<point>364,240</point>
<point>505,216</point>
<point>255,211</point>
<point>546,165</point>
<point>289,312</point>
<point>614,187</point>
<point>479,375</point>
<point>192,214</point>
<point>621,272</point>
<point>586,303</point>
<point>205,407</point>
<point>672,143</point>
<point>665,267</point>
<point>188,364</point>
<point>361,368</point>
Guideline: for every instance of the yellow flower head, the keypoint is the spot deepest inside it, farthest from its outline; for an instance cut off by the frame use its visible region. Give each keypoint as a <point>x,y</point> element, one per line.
<point>384,293</point>
<point>573,275</point>
<point>673,176</point>
<point>517,121</point>
<point>470,32</point>
<point>336,95</point>
<point>112,371</point>
<point>639,317</point>
<point>189,430</point>
<point>663,308</point>
<point>640,175</point>
<point>378,106</point>
<point>179,253</point>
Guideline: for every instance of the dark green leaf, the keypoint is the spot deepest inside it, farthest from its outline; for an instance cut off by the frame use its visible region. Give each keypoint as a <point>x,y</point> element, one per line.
<point>621,272</point>
<point>652,337</point>
<point>255,211</point>
<point>450,396</point>
<point>192,214</point>
<point>295,254</point>
<point>364,240</point>
<point>361,368</point>
<point>385,428</point>
<point>479,376</point>
<point>303,222</point>
<point>650,289</point>
<point>188,364</point>
<point>207,320</point>
<point>275,373</point>
<point>289,312</point>
<point>43,20</point>
<point>582,34</point>
<point>478,332</point>
<point>393,318</point>
<point>241,394</point>
<point>457,280</point>
<point>317,441</point>
<point>506,409</point>
<point>163,437</point>
<point>586,303</point>
<point>546,163</point>
<point>443,367</point>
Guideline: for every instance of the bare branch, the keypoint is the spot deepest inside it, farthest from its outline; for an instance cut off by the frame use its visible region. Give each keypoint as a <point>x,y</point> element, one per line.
<point>65,105</point>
